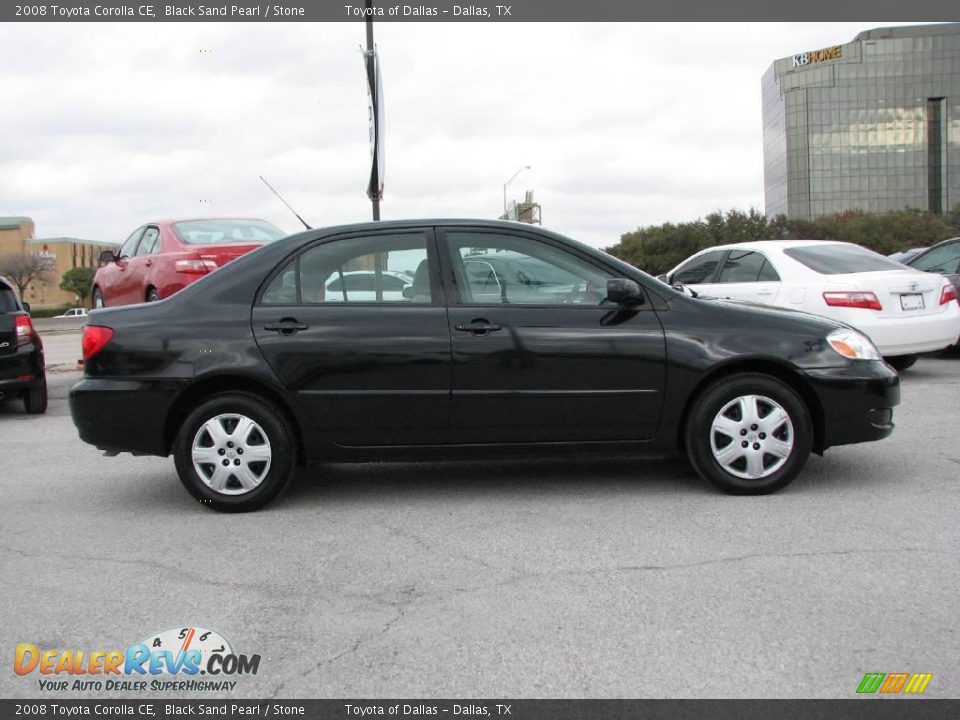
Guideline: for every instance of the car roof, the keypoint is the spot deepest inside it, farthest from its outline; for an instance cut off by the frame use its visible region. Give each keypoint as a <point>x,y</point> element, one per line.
<point>774,244</point>
<point>169,221</point>
<point>471,223</point>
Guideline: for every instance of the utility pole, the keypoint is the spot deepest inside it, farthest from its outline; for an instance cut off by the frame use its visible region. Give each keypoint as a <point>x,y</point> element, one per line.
<point>373,190</point>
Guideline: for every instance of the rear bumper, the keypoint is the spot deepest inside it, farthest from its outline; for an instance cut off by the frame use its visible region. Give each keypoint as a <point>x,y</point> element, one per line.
<point>21,370</point>
<point>124,415</point>
<point>910,335</point>
<point>857,401</point>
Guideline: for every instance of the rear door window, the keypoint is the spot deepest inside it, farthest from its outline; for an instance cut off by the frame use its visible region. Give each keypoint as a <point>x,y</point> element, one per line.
<point>389,268</point>
<point>943,259</point>
<point>8,301</point>
<point>840,259</point>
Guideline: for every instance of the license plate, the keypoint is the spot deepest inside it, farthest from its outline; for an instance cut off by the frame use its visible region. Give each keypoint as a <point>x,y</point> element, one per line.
<point>911,302</point>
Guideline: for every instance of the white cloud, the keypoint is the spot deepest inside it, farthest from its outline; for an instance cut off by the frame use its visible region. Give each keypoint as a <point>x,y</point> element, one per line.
<point>110,125</point>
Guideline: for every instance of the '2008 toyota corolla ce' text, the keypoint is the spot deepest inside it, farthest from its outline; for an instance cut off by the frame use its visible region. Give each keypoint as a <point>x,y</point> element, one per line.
<point>501,339</point>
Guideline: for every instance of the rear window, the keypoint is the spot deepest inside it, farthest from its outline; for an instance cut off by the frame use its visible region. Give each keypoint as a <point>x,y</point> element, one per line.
<point>841,259</point>
<point>8,301</point>
<point>213,232</point>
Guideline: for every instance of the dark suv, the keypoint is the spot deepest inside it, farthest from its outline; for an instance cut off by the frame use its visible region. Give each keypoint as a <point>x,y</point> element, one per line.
<point>21,353</point>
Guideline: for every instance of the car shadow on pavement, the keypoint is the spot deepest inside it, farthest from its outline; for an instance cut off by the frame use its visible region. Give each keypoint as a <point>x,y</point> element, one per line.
<point>480,478</point>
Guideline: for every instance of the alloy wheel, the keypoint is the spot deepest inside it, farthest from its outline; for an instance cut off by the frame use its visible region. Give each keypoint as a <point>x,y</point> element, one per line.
<point>751,437</point>
<point>231,454</point>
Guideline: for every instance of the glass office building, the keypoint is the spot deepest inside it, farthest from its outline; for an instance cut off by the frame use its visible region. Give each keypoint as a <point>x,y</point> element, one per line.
<point>871,125</point>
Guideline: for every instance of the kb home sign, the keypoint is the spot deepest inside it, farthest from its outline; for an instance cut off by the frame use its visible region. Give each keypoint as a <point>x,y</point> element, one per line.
<point>815,56</point>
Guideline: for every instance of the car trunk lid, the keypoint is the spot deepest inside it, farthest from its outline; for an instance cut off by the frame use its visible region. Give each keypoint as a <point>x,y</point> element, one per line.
<point>901,293</point>
<point>8,333</point>
<point>9,310</point>
<point>222,254</point>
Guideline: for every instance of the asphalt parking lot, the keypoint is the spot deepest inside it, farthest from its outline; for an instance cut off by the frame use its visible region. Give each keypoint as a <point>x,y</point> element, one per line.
<point>610,578</point>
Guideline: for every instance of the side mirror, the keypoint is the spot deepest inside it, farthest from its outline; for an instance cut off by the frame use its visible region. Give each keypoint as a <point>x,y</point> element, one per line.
<point>624,292</point>
<point>107,257</point>
<point>26,305</point>
<point>408,292</point>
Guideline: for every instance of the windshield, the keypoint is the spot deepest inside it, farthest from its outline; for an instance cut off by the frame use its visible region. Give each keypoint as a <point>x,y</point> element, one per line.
<point>212,232</point>
<point>839,259</point>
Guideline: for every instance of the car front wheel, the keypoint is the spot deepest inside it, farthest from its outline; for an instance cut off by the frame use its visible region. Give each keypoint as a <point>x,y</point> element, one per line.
<point>749,434</point>
<point>901,362</point>
<point>235,453</point>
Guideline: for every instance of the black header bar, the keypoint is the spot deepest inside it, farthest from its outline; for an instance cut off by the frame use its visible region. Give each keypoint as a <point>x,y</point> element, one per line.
<point>237,709</point>
<point>871,11</point>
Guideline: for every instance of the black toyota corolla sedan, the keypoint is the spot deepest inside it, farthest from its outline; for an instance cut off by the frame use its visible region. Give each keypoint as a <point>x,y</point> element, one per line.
<point>499,339</point>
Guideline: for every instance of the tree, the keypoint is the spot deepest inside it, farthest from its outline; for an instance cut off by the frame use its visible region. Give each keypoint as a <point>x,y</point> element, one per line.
<point>79,281</point>
<point>24,268</point>
<point>658,248</point>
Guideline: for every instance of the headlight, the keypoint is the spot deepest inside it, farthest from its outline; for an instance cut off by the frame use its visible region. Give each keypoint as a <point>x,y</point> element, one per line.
<point>853,345</point>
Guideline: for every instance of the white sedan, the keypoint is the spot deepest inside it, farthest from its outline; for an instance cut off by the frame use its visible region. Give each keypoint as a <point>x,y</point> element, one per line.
<point>903,311</point>
<point>360,286</point>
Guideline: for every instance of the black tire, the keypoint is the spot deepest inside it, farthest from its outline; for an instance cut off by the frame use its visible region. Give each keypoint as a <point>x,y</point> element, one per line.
<point>271,428</point>
<point>902,362</point>
<point>153,295</point>
<point>98,299</point>
<point>773,471</point>
<point>35,399</point>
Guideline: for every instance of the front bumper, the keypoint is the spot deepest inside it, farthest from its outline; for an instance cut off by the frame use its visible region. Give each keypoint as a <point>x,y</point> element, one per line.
<point>857,401</point>
<point>124,415</point>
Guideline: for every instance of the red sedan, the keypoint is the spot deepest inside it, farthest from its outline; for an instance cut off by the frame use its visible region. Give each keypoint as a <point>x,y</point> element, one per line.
<point>160,258</point>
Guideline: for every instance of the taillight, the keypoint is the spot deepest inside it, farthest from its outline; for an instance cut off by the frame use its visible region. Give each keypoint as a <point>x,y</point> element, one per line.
<point>24,329</point>
<point>948,293</point>
<point>865,300</point>
<point>195,266</point>
<point>94,340</point>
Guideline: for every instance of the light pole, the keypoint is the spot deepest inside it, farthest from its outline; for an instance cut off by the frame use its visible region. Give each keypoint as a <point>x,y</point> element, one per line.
<point>507,183</point>
<point>373,85</point>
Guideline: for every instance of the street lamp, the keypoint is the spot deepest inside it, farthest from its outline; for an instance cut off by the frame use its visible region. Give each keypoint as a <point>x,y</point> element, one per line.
<point>512,178</point>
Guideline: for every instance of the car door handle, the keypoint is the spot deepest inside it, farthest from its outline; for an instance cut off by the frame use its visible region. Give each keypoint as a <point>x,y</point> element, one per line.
<point>477,327</point>
<point>287,326</point>
<point>765,291</point>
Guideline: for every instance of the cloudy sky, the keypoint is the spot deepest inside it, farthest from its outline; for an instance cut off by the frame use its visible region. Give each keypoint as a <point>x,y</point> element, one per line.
<point>106,126</point>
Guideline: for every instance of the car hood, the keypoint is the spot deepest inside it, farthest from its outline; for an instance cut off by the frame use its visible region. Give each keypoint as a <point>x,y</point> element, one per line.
<point>768,311</point>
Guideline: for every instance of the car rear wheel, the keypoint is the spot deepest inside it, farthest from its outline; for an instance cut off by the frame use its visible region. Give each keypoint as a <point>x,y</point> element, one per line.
<point>901,362</point>
<point>35,399</point>
<point>235,453</point>
<point>153,295</point>
<point>749,434</point>
<point>98,298</point>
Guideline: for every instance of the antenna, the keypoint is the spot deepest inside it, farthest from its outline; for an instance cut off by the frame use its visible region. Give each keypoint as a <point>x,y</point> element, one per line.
<point>286,203</point>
